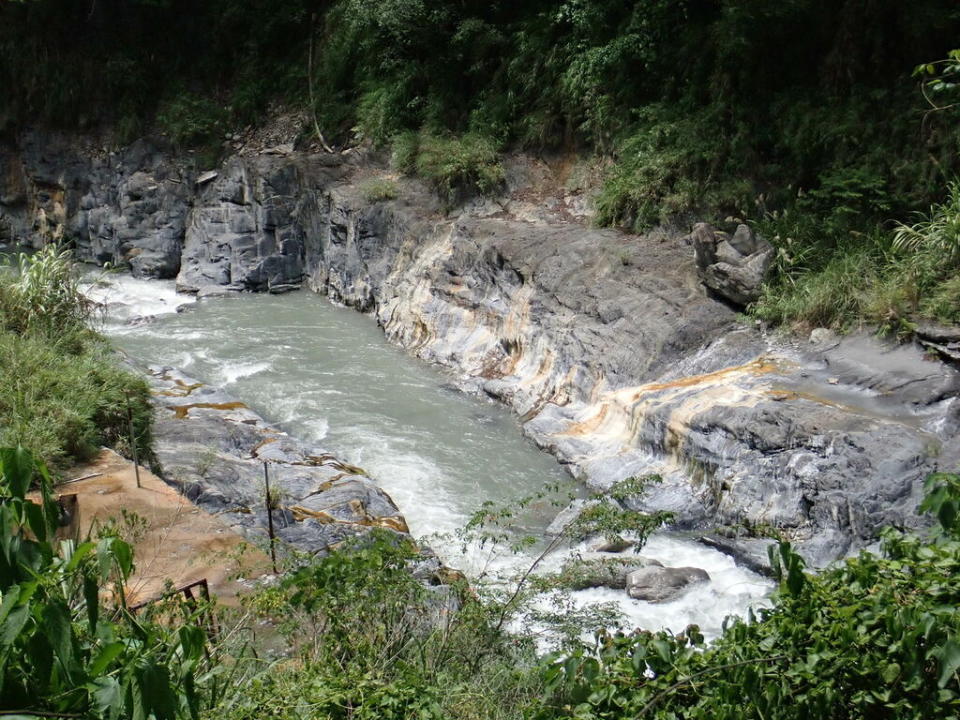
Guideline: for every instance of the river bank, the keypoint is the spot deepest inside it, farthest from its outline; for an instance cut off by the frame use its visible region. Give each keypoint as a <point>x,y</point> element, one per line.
<point>326,375</point>
<point>606,345</point>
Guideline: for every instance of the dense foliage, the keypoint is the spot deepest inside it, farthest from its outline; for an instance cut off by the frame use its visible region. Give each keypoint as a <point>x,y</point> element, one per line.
<point>799,115</point>
<point>875,637</point>
<point>65,393</point>
<point>69,646</point>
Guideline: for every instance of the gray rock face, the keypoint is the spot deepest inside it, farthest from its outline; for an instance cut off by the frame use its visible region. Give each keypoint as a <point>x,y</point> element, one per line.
<point>213,449</point>
<point>662,584</point>
<point>606,345</point>
<point>733,267</point>
<point>126,208</point>
<point>246,230</point>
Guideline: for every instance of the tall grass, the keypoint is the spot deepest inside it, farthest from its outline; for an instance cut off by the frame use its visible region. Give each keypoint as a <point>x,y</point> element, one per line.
<point>63,392</point>
<point>888,279</point>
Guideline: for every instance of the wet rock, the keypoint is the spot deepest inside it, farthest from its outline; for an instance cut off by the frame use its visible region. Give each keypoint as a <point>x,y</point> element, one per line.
<point>215,291</point>
<point>214,449</point>
<point>734,267</point>
<point>661,584</point>
<point>617,545</point>
<point>606,572</point>
<point>823,336</point>
<point>751,553</point>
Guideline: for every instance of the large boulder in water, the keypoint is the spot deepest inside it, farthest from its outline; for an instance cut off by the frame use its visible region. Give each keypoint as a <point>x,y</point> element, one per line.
<point>606,572</point>
<point>659,584</point>
<point>734,267</point>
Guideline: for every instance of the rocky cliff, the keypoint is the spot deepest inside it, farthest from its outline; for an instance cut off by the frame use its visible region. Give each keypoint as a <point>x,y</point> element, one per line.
<point>607,346</point>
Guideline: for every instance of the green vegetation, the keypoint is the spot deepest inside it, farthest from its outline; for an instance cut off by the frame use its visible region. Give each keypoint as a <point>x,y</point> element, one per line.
<point>65,393</point>
<point>878,636</point>
<point>800,116</point>
<point>69,645</point>
<point>455,166</point>
<point>378,190</point>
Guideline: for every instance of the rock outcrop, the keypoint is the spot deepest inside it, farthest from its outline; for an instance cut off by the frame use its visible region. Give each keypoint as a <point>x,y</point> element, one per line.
<point>213,449</point>
<point>606,345</point>
<point>733,266</point>
<point>662,584</point>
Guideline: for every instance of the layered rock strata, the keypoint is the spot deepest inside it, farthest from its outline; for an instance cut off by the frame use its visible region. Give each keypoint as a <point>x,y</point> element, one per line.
<point>606,345</point>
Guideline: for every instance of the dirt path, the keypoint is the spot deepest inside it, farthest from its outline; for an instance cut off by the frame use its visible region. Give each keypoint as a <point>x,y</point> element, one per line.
<point>172,538</point>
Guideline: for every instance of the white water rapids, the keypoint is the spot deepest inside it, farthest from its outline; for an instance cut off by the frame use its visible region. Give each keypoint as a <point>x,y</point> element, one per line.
<point>327,375</point>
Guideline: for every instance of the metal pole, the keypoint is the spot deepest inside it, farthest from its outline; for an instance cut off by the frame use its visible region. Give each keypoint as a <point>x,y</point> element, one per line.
<point>273,551</point>
<point>133,442</point>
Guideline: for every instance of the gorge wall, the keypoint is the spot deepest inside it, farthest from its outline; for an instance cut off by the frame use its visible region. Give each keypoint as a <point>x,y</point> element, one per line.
<point>606,345</point>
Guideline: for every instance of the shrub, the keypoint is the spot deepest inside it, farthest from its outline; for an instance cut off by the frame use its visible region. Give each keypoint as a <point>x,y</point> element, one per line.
<point>67,405</point>
<point>190,120</point>
<point>936,233</point>
<point>69,646</point>
<point>65,393</point>
<point>378,190</point>
<point>456,166</point>
<point>371,642</point>
<point>670,166</point>
<point>44,296</point>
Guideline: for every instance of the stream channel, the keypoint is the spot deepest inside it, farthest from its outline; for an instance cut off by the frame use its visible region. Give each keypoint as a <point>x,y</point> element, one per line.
<point>327,375</point>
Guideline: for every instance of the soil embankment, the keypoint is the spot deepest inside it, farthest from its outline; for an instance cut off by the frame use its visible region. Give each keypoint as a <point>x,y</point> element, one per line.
<point>173,539</point>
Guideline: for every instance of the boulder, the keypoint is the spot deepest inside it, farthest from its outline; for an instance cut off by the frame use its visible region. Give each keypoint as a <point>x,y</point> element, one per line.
<point>607,572</point>
<point>734,267</point>
<point>617,545</point>
<point>660,584</point>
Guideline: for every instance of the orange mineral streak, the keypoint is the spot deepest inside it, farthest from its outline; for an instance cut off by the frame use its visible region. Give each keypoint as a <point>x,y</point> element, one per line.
<point>181,411</point>
<point>760,366</point>
<point>620,412</point>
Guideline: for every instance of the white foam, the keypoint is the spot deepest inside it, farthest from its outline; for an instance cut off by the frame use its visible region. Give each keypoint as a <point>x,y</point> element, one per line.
<point>128,299</point>
<point>229,373</point>
<point>732,590</point>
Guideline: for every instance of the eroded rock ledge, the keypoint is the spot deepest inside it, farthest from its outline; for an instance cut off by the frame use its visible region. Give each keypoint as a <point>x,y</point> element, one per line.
<point>213,448</point>
<point>606,345</point>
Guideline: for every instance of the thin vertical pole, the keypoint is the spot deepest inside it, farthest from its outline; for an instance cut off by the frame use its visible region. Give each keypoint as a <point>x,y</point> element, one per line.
<point>273,551</point>
<point>133,442</point>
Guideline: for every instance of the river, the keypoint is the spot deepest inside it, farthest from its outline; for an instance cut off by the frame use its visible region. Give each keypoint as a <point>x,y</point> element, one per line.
<point>326,374</point>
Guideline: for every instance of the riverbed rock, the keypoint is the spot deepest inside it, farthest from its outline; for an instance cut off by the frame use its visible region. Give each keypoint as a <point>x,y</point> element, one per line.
<point>662,584</point>
<point>615,545</point>
<point>213,448</point>
<point>579,574</point>
<point>734,267</point>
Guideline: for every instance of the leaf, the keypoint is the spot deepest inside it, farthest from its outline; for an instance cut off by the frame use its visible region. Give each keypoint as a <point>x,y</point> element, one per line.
<point>107,697</point>
<point>36,520</point>
<point>77,556</point>
<point>663,649</point>
<point>158,695</point>
<point>124,557</point>
<point>107,655</point>
<point>949,662</point>
<point>890,673</point>
<point>17,467</point>
<point>57,626</point>
<point>13,625</point>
